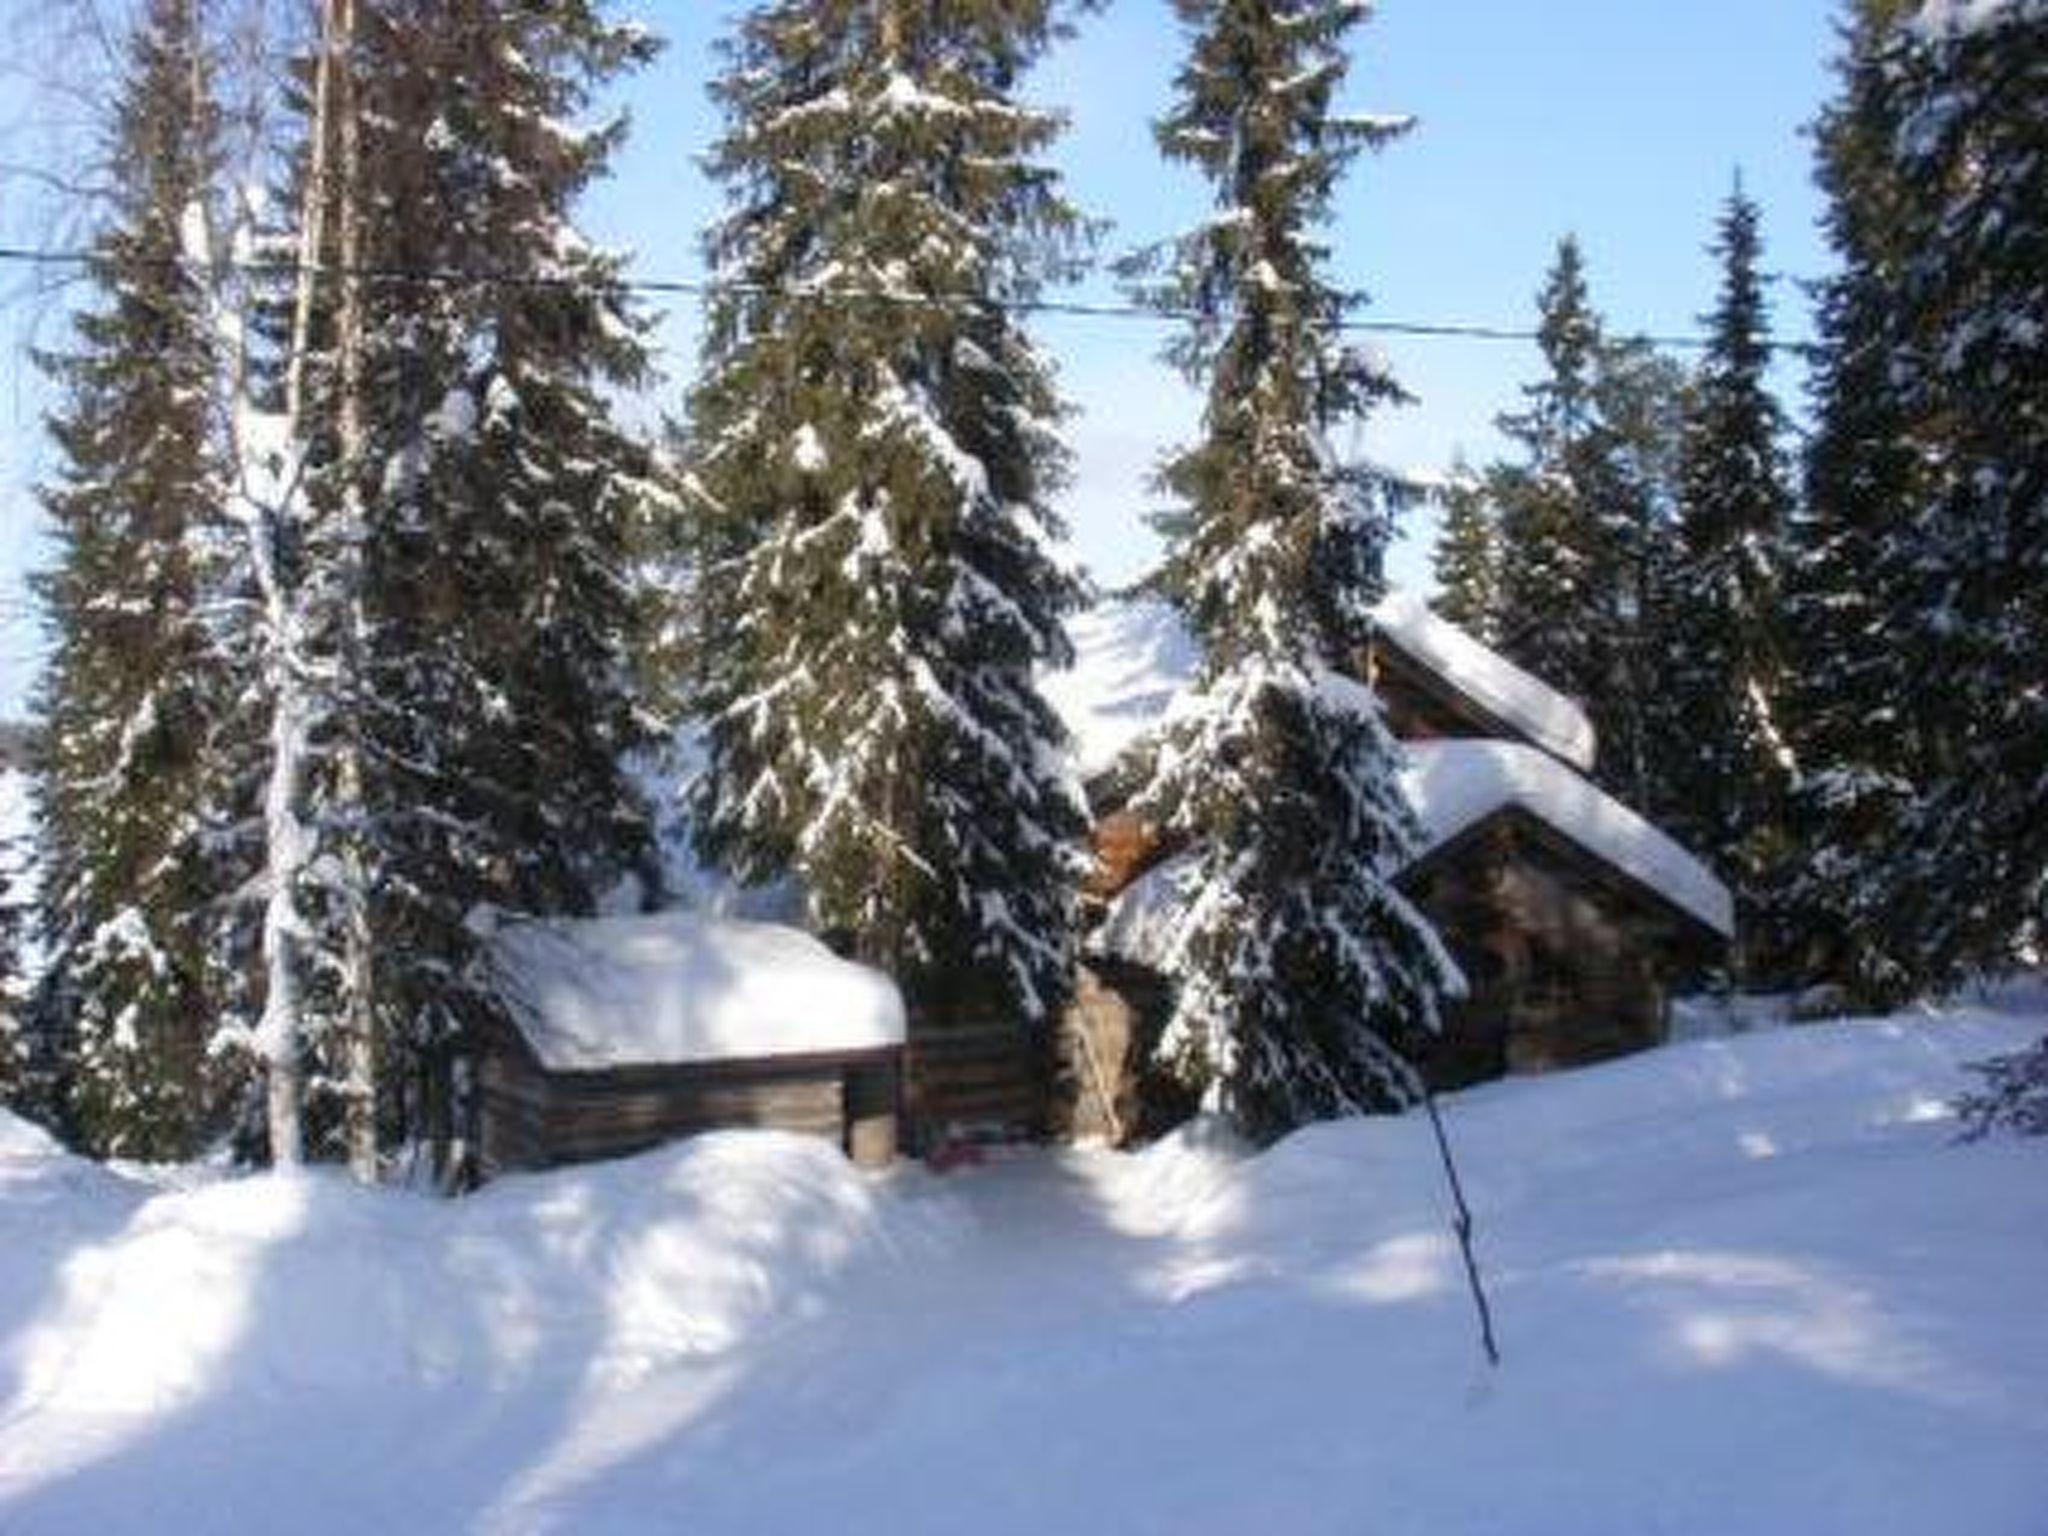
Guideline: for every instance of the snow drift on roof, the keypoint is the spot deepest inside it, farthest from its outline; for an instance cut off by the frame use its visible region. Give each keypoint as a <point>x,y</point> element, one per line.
<point>1489,679</point>
<point>673,987</point>
<point>1453,785</point>
<point>1132,656</point>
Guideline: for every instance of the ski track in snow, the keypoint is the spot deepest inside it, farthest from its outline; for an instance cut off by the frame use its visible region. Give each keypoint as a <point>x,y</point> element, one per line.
<point>1744,1285</point>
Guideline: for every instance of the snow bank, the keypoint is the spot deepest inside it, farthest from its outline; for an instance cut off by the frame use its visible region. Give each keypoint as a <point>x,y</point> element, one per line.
<point>1133,657</point>
<point>676,987</point>
<point>1489,679</point>
<point>1455,784</point>
<point>20,1141</point>
<point>371,1319</point>
<point>1750,1285</point>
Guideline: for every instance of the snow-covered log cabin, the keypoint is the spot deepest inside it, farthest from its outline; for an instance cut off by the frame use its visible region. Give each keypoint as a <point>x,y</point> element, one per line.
<point>623,1032</point>
<point>1570,914</point>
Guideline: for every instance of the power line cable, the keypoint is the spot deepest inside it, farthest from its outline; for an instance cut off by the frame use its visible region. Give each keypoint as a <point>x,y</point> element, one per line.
<point>709,288</point>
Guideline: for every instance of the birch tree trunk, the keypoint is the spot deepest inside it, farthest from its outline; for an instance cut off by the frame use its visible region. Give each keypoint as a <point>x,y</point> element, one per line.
<point>271,518</point>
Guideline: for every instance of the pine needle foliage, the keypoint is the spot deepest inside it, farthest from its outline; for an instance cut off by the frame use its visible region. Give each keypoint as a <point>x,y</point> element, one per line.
<point>872,487</point>
<point>1305,974</point>
<point>1729,764</point>
<point>1919,624</point>
<point>126,708</point>
<point>1467,558</point>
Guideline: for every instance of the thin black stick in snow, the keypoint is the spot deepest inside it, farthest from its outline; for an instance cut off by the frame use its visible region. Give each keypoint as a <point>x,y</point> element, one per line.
<point>1463,1226</point>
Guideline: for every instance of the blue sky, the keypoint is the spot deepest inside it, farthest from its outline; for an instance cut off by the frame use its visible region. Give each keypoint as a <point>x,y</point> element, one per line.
<point>1620,120</point>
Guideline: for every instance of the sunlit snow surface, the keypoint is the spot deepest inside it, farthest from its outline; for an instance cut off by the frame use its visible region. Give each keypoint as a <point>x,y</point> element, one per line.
<point>1744,1285</point>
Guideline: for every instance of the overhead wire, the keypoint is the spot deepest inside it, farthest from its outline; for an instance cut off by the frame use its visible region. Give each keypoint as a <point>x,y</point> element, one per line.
<point>715,287</point>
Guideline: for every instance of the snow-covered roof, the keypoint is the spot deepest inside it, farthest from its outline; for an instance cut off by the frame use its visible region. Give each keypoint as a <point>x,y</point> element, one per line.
<point>1455,785</point>
<point>674,987</point>
<point>1133,655</point>
<point>1489,679</point>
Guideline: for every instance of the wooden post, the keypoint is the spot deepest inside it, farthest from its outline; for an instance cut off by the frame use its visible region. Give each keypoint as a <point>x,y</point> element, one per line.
<point>870,1092</point>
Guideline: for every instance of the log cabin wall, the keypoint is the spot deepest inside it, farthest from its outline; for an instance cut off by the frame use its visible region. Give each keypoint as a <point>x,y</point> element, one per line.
<point>1568,963</point>
<point>1421,706</point>
<point>975,1080</point>
<point>533,1118</point>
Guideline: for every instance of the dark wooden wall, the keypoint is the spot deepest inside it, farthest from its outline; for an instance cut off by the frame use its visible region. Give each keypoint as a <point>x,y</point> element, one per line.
<point>532,1118</point>
<point>1567,963</point>
<point>975,1081</point>
<point>1422,705</point>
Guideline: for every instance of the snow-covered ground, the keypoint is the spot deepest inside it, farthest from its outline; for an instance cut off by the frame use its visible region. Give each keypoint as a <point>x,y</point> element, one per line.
<point>1747,1285</point>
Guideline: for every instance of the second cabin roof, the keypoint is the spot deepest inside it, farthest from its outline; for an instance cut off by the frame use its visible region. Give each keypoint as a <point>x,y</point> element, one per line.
<point>1133,656</point>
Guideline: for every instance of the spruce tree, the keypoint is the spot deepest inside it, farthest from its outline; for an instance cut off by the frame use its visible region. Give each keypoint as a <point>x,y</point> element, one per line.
<point>126,709</point>
<point>443,551</point>
<point>1306,974</point>
<point>1916,620</point>
<point>873,454</point>
<point>15,1043</point>
<point>1549,541</point>
<point>1641,394</point>
<point>1585,512</point>
<point>1724,658</point>
<point>1971,358</point>
<point>1467,558</point>
<point>1859,759</point>
<point>502,621</point>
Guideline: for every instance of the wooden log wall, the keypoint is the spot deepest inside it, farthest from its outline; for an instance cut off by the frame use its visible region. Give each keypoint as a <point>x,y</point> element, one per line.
<point>1567,965</point>
<point>534,1118</point>
<point>983,1081</point>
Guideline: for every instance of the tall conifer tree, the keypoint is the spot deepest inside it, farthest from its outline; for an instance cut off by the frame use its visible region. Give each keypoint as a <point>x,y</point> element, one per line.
<point>1917,621</point>
<point>1549,553</point>
<point>1467,559</point>
<point>443,549</point>
<point>127,711</point>
<point>1971,359</point>
<point>502,622</point>
<point>1585,514</point>
<point>1860,759</point>
<point>874,450</point>
<point>1969,354</point>
<point>1306,973</point>
<point>1724,655</point>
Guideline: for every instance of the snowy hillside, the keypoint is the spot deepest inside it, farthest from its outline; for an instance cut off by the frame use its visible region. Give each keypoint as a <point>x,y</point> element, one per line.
<point>1745,1286</point>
